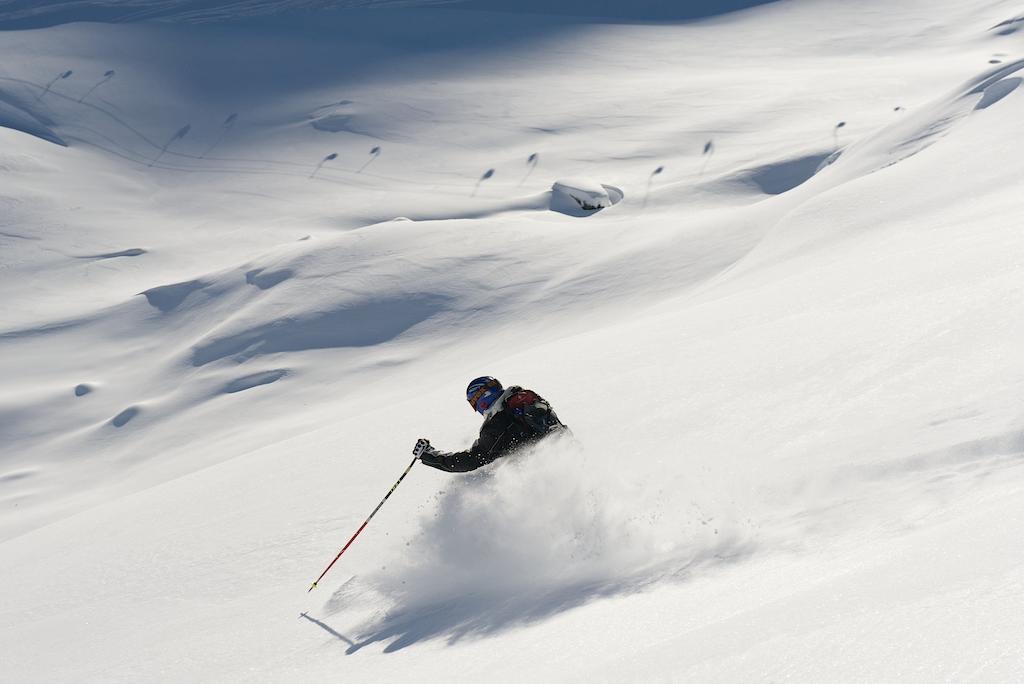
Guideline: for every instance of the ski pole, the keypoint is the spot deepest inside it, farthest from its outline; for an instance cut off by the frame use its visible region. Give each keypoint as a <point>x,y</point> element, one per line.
<point>416,456</point>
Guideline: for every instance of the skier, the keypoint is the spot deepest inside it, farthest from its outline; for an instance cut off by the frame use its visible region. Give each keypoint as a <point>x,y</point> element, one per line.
<point>513,418</point>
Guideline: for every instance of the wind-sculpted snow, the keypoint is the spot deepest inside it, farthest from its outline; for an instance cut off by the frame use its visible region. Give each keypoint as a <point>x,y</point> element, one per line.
<point>17,115</point>
<point>930,123</point>
<point>361,325</point>
<point>345,292</point>
<point>537,534</point>
<point>781,176</point>
<point>1008,27</point>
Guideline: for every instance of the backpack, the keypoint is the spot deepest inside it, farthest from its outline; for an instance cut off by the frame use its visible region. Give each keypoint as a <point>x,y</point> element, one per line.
<point>531,411</point>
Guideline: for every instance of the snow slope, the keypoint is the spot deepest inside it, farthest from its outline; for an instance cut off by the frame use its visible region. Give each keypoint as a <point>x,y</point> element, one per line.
<point>248,260</point>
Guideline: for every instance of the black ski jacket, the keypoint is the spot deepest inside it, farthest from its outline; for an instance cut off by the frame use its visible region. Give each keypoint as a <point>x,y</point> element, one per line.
<point>522,417</point>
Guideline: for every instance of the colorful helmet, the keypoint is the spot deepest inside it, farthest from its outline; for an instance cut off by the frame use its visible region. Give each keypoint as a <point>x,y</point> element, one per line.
<point>482,393</point>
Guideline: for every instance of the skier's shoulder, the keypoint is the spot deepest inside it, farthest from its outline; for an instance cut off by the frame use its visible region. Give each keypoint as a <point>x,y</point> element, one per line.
<point>521,396</point>
<point>512,402</point>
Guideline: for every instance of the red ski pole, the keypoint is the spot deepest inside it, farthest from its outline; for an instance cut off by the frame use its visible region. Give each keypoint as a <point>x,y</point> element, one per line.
<point>417,453</point>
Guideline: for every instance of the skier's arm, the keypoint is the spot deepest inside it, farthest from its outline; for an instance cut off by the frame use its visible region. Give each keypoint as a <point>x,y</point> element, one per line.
<point>457,462</point>
<point>483,451</point>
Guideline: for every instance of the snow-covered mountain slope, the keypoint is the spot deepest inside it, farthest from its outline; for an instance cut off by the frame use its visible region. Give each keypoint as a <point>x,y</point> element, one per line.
<point>246,261</point>
<point>22,14</point>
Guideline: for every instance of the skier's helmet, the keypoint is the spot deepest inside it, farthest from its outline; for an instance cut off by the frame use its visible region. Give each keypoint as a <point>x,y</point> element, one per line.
<point>482,393</point>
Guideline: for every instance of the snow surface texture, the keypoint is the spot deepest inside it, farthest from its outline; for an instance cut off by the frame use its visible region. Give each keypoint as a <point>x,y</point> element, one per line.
<point>250,252</point>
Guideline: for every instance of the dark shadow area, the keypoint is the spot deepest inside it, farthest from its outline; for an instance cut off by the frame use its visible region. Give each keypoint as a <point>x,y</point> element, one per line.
<point>24,116</point>
<point>82,390</point>
<point>335,123</point>
<point>783,176</point>
<point>997,91</point>
<point>133,252</point>
<point>169,297</point>
<point>31,14</point>
<point>480,615</point>
<point>254,380</point>
<point>338,42</point>
<point>265,280</point>
<point>123,418</point>
<point>313,44</point>
<point>634,10</point>
<point>1008,27</point>
<point>992,77</point>
<point>362,325</point>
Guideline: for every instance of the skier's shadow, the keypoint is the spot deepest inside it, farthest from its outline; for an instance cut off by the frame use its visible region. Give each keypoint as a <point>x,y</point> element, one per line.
<point>476,615</point>
<point>484,614</point>
<point>330,630</point>
<point>480,615</point>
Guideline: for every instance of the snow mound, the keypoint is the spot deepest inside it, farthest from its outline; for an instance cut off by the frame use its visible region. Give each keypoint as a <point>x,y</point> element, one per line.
<point>343,117</point>
<point>995,91</point>
<point>781,176</point>
<point>301,297</point>
<point>1008,27</point>
<point>571,195</point>
<point>930,124</point>
<point>358,324</point>
<point>16,116</point>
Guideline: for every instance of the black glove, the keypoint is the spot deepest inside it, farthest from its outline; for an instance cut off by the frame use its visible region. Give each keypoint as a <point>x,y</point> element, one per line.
<point>428,454</point>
